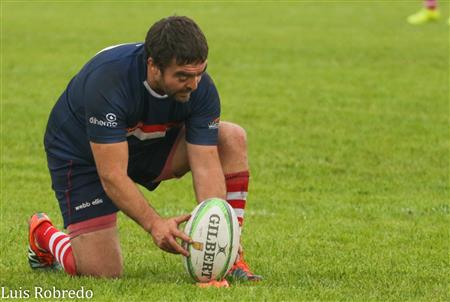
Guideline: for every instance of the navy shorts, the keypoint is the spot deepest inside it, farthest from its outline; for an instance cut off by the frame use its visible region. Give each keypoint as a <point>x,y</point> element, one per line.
<point>80,193</point>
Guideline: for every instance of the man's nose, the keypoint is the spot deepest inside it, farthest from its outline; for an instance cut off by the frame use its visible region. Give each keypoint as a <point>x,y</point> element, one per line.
<point>193,83</point>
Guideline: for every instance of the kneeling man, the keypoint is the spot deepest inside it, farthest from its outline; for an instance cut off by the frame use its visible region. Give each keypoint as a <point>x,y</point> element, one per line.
<point>136,113</point>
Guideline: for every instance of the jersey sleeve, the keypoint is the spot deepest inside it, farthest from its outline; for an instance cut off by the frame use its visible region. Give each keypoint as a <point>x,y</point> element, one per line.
<point>202,125</point>
<point>105,105</point>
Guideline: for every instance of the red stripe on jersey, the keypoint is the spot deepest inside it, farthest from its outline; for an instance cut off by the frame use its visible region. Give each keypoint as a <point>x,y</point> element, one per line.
<point>155,127</point>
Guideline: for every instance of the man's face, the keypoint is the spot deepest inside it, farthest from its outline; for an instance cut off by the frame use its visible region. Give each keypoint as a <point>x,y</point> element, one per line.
<point>178,81</point>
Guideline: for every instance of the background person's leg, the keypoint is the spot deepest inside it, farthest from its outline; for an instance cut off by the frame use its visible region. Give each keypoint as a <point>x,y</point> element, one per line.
<point>428,13</point>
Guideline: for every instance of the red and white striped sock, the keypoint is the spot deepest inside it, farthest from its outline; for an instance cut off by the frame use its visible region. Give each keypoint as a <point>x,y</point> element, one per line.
<point>431,4</point>
<point>237,190</point>
<point>57,243</point>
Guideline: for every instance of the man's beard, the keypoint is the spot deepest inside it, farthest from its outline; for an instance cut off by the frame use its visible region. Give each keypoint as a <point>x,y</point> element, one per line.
<point>180,96</point>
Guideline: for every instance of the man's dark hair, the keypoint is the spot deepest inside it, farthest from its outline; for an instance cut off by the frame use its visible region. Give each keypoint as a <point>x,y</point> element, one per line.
<point>178,38</point>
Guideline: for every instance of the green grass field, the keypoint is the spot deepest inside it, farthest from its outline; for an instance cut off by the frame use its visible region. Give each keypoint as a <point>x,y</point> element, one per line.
<point>346,107</point>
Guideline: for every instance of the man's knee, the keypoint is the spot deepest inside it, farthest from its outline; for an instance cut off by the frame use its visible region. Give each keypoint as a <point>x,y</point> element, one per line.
<point>98,254</point>
<point>232,135</point>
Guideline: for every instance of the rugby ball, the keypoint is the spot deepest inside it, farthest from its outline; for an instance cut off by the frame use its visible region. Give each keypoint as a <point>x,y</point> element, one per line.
<point>215,232</point>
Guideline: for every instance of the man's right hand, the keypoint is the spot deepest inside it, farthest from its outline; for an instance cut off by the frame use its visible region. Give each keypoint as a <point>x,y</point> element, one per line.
<point>165,231</point>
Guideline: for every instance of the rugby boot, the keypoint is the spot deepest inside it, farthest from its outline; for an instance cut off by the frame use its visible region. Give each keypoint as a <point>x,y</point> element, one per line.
<point>219,284</point>
<point>241,271</point>
<point>37,257</point>
<point>424,16</point>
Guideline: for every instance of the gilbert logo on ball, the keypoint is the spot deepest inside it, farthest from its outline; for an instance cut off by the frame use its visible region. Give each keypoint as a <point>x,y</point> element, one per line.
<point>214,228</point>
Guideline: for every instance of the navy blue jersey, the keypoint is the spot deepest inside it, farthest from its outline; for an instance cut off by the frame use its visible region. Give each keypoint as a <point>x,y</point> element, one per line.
<point>109,101</point>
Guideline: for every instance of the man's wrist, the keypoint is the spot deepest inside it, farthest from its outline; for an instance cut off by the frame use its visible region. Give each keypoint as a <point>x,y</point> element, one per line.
<point>149,221</point>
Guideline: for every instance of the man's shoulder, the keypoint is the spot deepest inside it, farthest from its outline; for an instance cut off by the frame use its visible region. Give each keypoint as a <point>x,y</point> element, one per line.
<point>116,67</point>
<point>117,58</point>
<point>119,52</point>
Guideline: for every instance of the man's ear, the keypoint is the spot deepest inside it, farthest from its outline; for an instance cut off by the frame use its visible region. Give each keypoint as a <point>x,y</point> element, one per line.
<point>152,69</point>
<point>151,65</point>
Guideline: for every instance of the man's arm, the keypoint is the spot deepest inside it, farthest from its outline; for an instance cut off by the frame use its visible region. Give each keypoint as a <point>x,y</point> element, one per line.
<point>112,164</point>
<point>207,173</point>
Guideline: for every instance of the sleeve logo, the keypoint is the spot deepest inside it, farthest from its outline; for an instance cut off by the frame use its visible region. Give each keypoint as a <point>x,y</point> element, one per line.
<point>214,124</point>
<point>110,121</point>
<point>111,117</point>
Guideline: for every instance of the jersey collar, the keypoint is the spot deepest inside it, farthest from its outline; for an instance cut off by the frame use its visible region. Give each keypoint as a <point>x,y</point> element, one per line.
<point>152,92</point>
